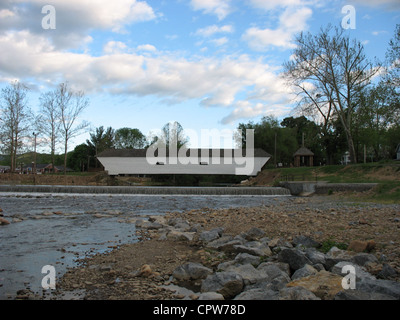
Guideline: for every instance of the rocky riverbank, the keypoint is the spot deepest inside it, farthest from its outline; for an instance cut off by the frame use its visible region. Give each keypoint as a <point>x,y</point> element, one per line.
<point>293,250</point>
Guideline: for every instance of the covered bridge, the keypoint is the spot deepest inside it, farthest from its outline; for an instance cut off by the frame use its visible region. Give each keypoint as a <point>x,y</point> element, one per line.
<point>188,161</point>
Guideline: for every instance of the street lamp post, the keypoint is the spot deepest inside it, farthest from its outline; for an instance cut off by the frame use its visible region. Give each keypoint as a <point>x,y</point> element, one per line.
<point>34,155</point>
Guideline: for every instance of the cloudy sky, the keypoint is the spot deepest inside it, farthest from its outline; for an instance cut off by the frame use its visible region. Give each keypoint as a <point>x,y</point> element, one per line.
<point>208,64</point>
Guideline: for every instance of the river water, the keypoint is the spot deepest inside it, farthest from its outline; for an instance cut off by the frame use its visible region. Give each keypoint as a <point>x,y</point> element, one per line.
<point>59,229</point>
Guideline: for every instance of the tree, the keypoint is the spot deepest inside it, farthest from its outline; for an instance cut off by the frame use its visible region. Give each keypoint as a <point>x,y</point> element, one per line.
<point>172,136</point>
<point>309,133</point>
<point>15,119</point>
<point>270,136</point>
<point>127,138</point>
<point>329,70</point>
<point>70,105</point>
<point>393,60</point>
<point>79,157</point>
<point>373,117</point>
<point>48,121</point>
<point>99,141</point>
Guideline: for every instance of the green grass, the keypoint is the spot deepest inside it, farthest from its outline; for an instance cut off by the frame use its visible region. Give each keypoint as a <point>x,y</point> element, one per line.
<point>328,244</point>
<point>387,191</point>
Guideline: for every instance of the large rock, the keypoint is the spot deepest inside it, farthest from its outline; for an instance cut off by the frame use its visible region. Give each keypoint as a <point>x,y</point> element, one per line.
<point>282,266</point>
<point>359,271</point>
<point>294,257</point>
<point>362,295</point>
<point>387,287</point>
<point>364,258</point>
<point>229,284</point>
<point>306,242</point>
<point>279,242</point>
<point>211,296</point>
<point>227,246</point>
<point>207,236</point>
<point>140,223</point>
<point>254,248</point>
<point>249,274</point>
<point>387,272</point>
<point>306,271</point>
<point>336,255</point>
<point>315,256</point>
<point>4,222</point>
<point>325,285</point>
<point>258,294</point>
<point>191,271</point>
<point>245,258</point>
<point>253,234</point>
<point>178,223</point>
<point>220,242</point>
<point>361,246</point>
<point>296,293</point>
<point>276,275</point>
<point>177,235</point>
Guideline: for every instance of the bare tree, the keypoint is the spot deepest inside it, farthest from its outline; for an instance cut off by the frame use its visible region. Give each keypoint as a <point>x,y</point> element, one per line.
<point>329,71</point>
<point>173,135</point>
<point>15,119</point>
<point>70,105</point>
<point>48,121</point>
<point>393,60</point>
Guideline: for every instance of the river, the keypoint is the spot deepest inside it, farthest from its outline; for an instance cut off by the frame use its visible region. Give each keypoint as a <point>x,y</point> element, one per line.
<point>59,229</point>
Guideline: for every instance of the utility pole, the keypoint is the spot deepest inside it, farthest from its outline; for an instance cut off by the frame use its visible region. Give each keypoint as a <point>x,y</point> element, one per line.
<point>276,134</point>
<point>34,155</point>
<point>365,154</point>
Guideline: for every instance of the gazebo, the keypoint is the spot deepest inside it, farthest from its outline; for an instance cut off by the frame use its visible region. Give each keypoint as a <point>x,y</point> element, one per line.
<point>303,158</point>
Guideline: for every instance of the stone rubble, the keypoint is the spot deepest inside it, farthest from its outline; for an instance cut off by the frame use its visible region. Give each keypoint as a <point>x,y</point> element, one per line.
<point>256,267</point>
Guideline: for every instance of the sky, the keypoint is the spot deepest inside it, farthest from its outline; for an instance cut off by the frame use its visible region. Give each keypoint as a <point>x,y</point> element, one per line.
<point>207,64</point>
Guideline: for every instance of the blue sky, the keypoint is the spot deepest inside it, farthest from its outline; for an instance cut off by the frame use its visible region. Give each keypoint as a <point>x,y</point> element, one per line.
<point>207,64</point>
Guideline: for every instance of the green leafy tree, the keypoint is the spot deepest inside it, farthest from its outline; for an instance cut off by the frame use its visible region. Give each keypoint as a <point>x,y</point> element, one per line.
<point>270,136</point>
<point>100,140</point>
<point>127,138</point>
<point>78,159</point>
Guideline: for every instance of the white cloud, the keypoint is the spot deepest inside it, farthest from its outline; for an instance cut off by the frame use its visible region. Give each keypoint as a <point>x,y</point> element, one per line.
<point>220,8</point>
<point>211,30</point>
<point>220,41</point>
<point>114,47</point>
<point>377,33</point>
<point>147,47</point>
<point>5,13</point>
<point>74,18</point>
<point>273,4</point>
<point>246,110</point>
<point>217,82</point>
<point>291,21</point>
<point>101,13</point>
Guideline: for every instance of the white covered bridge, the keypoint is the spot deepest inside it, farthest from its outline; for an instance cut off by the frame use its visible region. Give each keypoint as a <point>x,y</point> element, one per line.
<point>240,162</point>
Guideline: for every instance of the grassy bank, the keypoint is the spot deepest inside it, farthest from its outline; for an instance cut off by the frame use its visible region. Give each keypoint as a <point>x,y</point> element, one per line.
<point>386,174</point>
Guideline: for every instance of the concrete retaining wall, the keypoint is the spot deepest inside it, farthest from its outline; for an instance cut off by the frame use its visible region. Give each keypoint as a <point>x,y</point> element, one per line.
<point>298,188</point>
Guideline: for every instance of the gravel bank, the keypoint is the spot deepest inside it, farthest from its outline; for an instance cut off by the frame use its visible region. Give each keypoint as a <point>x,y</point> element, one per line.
<point>141,271</point>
